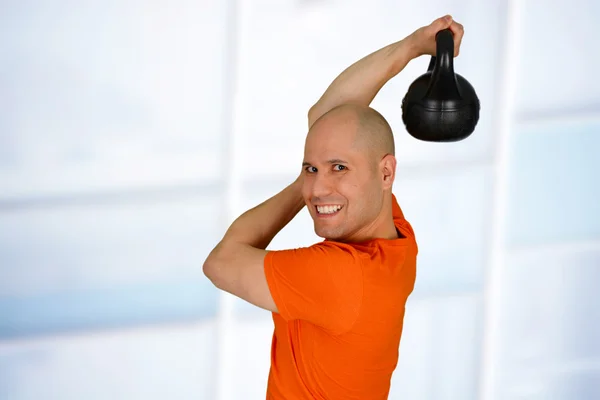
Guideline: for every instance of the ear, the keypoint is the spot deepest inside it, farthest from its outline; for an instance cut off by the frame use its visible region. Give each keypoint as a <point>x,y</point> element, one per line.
<point>387,168</point>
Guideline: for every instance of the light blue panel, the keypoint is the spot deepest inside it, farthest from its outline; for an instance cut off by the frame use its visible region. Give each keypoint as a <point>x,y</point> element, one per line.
<point>562,385</point>
<point>106,265</point>
<point>439,350</point>
<point>110,94</point>
<point>450,212</point>
<point>550,324</point>
<point>163,362</point>
<point>251,340</point>
<point>554,186</point>
<point>578,385</point>
<point>557,66</point>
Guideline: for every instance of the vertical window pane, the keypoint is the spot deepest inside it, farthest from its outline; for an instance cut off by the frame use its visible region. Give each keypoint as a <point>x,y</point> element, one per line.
<point>439,350</point>
<point>450,214</point>
<point>554,193</point>
<point>251,338</point>
<point>558,71</point>
<point>550,323</point>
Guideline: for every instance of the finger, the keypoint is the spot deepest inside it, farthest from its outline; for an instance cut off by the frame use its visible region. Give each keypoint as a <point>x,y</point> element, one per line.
<point>440,24</point>
<point>458,31</point>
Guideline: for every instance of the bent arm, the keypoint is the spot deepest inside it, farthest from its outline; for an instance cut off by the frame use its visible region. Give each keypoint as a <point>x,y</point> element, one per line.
<point>360,82</point>
<point>258,226</point>
<point>236,264</point>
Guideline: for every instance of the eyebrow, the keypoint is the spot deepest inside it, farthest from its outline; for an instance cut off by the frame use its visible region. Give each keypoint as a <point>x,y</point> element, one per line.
<point>332,161</point>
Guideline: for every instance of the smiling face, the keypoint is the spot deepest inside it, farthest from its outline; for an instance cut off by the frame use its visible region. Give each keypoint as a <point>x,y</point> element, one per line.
<point>343,185</point>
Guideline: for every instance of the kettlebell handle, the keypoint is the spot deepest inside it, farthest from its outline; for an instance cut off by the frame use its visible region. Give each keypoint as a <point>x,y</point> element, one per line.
<point>444,40</point>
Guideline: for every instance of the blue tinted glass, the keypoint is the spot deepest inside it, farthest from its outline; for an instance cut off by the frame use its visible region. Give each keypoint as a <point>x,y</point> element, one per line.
<point>84,266</point>
<point>554,192</point>
<point>576,384</point>
<point>550,322</point>
<point>152,363</point>
<point>440,343</point>
<point>450,214</point>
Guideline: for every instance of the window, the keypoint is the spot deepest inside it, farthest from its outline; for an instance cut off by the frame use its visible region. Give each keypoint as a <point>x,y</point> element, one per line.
<point>554,192</point>
<point>556,72</point>
<point>549,323</point>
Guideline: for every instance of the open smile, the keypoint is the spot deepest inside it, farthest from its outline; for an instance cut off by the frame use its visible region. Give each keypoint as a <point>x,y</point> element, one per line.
<point>328,210</point>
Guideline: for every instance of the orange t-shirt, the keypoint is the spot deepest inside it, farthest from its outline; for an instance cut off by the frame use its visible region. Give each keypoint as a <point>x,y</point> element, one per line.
<point>341,311</point>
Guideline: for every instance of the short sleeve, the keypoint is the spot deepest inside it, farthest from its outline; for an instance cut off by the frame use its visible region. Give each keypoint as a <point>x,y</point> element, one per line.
<point>322,284</point>
<point>397,213</point>
<point>401,223</point>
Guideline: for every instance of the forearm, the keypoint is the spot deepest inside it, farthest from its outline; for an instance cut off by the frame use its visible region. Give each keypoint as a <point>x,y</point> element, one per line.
<point>360,83</point>
<point>258,226</point>
<point>236,264</point>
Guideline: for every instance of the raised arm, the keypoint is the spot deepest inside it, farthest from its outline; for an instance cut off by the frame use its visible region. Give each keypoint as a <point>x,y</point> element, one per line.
<point>236,264</point>
<point>360,82</point>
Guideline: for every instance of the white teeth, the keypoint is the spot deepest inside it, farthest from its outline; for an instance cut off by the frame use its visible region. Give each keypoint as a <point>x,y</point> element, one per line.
<point>328,209</point>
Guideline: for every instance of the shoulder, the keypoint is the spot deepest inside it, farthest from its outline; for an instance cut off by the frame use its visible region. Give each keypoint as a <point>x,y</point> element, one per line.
<point>328,253</point>
<point>404,227</point>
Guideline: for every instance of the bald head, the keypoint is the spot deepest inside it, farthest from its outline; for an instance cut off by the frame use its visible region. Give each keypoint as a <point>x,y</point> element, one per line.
<point>372,133</point>
<point>349,162</point>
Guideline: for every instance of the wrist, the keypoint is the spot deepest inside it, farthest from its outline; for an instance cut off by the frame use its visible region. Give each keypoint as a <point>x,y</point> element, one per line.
<point>402,53</point>
<point>410,48</point>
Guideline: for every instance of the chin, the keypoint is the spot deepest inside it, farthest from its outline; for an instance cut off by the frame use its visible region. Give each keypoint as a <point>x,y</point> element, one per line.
<point>331,234</point>
<point>328,229</point>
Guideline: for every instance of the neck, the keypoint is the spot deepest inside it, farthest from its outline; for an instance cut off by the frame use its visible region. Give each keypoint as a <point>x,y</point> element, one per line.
<point>381,228</point>
<point>385,228</point>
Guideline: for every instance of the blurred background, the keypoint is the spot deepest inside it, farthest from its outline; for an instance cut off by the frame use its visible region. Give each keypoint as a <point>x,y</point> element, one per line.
<point>133,132</point>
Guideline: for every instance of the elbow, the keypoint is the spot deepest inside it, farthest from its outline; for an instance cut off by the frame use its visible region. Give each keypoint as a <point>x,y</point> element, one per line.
<point>208,269</point>
<point>313,114</point>
<point>211,269</point>
<point>210,266</point>
<point>216,266</point>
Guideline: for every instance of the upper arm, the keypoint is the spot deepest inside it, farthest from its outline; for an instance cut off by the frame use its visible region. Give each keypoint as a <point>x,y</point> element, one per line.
<point>312,116</point>
<point>239,269</point>
<point>321,284</point>
<point>317,111</point>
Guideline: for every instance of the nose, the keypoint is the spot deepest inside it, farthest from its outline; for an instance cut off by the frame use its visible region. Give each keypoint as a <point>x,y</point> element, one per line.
<point>322,186</point>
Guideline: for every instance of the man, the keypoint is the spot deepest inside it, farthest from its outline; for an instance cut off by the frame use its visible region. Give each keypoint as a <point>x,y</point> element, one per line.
<point>338,305</point>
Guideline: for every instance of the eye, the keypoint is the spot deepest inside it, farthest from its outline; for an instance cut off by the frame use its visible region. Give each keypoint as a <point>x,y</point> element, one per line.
<point>339,167</point>
<point>310,169</point>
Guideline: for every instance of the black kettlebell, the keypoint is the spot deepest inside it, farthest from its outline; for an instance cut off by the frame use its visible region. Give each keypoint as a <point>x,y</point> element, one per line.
<point>440,105</point>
